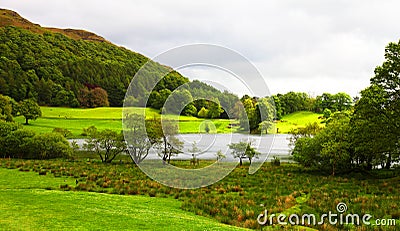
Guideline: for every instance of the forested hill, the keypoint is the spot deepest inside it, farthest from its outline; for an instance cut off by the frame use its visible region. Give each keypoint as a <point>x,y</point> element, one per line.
<point>60,67</point>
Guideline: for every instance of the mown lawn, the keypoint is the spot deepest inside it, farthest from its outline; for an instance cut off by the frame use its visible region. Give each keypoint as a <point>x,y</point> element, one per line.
<point>27,205</point>
<point>297,119</point>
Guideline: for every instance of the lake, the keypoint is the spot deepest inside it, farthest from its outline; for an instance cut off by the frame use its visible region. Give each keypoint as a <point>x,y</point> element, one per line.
<point>209,144</point>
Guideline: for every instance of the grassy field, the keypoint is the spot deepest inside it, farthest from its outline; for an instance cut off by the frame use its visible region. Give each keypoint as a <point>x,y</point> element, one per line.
<point>297,119</point>
<point>75,119</point>
<point>236,200</point>
<point>27,203</point>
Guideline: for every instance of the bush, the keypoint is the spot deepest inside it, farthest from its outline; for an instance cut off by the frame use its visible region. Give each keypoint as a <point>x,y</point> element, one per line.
<point>7,127</point>
<point>14,143</point>
<point>47,146</point>
<point>276,161</point>
<point>64,132</point>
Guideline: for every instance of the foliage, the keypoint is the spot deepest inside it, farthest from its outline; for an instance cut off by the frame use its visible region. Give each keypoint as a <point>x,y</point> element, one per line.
<point>8,108</point>
<point>276,161</point>
<point>220,155</point>
<point>17,142</point>
<point>14,144</point>
<point>47,146</point>
<point>107,144</point>
<point>138,142</point>
<point>256,114</point>
<point>203,113</point>
<point>328,150</point>
<point>29,109</point>
<point>63,131</point>
<point>162,134</point>
<point>327,113</point>
<point>177,102</point>
<point>387,77</point>
<point>242,150</point>
<point>91,98</point>
<point>310,130</point>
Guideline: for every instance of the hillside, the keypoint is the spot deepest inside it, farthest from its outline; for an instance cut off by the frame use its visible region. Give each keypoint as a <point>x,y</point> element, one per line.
<point>11,18</point>
<point>67,67</point>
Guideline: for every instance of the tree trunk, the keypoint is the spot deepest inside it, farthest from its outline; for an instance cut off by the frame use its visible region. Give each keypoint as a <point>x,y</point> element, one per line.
<point>389,161</point>
<point>240,159</point>
<point>26,121</point>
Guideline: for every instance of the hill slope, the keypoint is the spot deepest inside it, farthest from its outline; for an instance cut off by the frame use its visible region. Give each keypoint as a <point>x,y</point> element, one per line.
<point>61,67</point>
<point>55,65</point>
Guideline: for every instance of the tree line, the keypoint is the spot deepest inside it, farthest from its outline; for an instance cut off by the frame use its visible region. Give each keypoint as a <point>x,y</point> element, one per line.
<point>301,101</point>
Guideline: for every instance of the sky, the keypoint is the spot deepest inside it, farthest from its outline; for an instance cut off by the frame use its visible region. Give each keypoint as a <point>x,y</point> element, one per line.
<point>311,46</point>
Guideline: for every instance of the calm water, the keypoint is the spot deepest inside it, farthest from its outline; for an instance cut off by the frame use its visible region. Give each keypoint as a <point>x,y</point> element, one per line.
<point>210,144</point>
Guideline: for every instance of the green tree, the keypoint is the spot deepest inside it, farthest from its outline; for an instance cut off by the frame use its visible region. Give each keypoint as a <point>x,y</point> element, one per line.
<point>30,110</point>
<point>138,142</point>
<point>107,144</point>
<point>374,139</point>
<point>327,113</point>
<point>177,101</point>
<point>328,150</point>
<point>387,77</point>
<point>220,155</point>
<point>214,109</point>
<point>162,133</point>
<point>8,108</point>
<point>242,150</point>
<point>341,102</point>
<point>203,113</point>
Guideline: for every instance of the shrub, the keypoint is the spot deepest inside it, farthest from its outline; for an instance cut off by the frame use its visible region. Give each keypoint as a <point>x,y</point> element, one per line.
<point>14,143</point>
<point>276,161</point>
<point>7,127</point>
<point>47,146</point>
<point>63,131</point>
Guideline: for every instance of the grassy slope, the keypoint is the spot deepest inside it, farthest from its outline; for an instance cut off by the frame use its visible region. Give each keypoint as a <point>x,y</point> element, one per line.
<point>25,205</point>
<point>297,119</point>
<point>74,119</point>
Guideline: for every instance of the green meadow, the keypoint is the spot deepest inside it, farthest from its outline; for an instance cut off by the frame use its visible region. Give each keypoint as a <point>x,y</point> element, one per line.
<point>75,119</point>
<point>297,119</point>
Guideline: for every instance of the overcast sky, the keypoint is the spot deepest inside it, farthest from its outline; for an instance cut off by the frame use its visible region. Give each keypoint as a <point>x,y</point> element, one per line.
<point>313,46</point>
